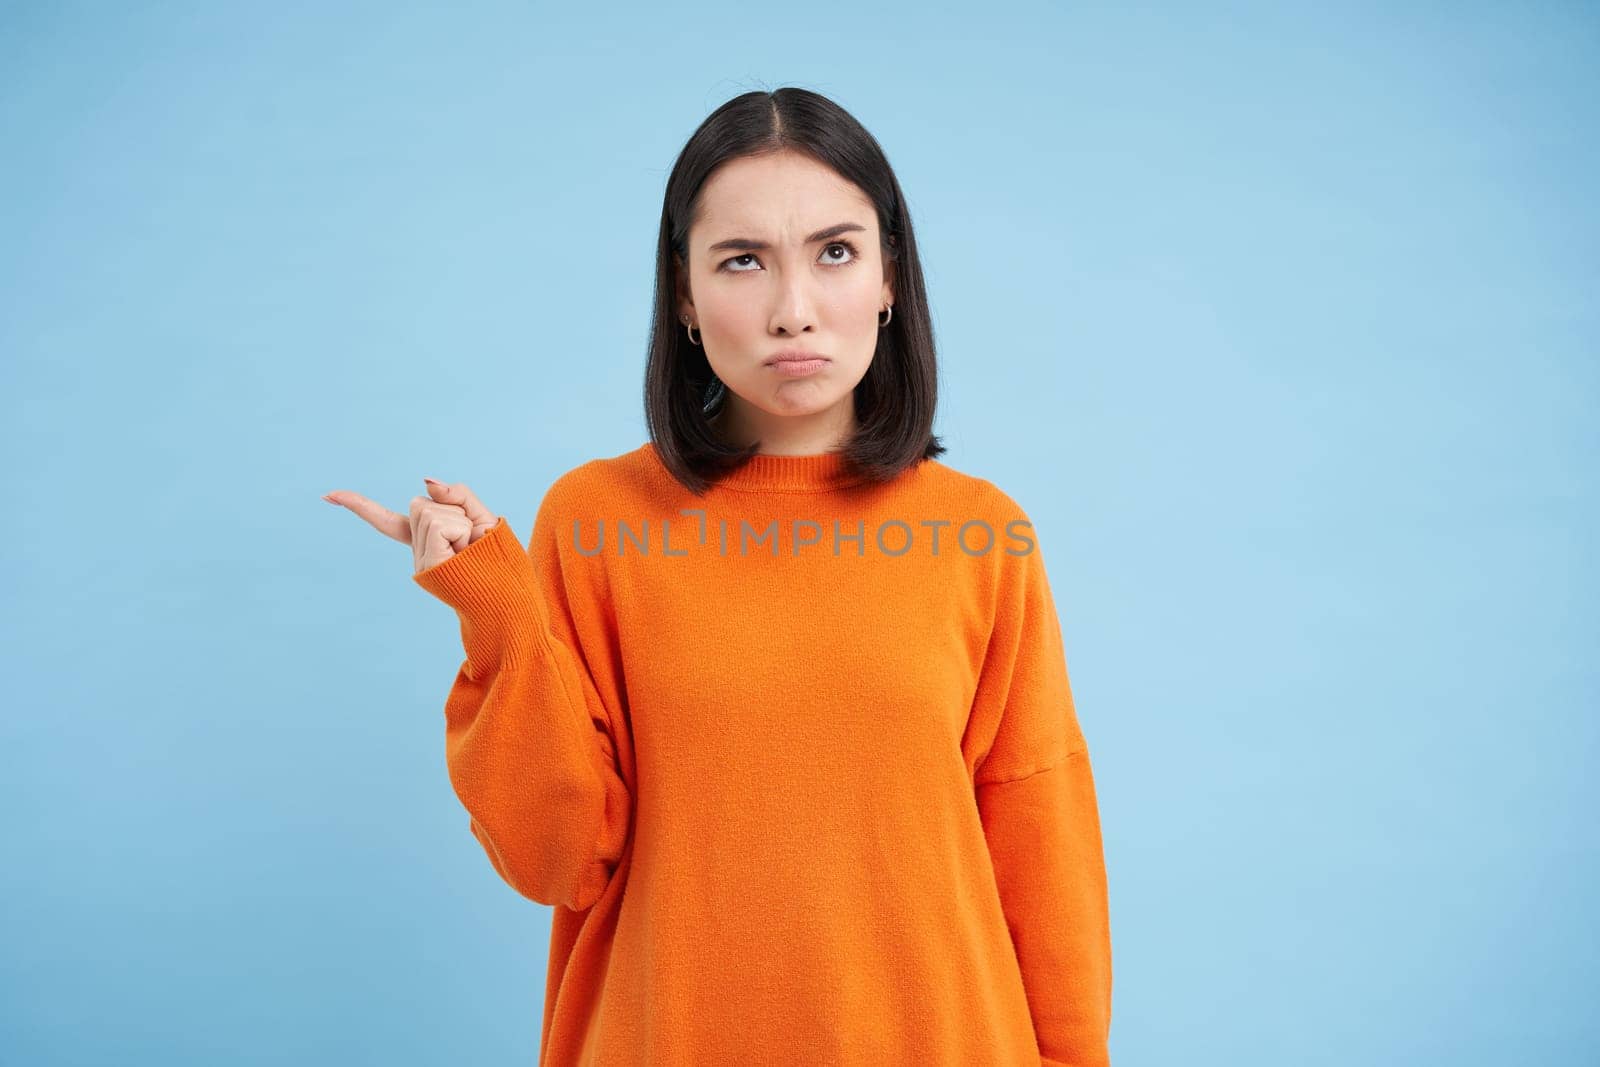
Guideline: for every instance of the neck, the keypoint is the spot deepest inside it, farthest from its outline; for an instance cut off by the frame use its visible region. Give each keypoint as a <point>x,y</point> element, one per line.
<point>741,424</point>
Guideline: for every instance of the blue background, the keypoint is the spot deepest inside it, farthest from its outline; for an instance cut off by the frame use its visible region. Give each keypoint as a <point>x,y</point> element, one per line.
<point>1280,320</point>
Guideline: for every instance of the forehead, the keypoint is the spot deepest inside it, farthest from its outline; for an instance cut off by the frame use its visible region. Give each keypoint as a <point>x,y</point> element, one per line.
<point>776,195</point>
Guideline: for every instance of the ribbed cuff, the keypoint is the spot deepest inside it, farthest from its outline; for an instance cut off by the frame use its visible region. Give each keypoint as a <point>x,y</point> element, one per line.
<point>493,586</point>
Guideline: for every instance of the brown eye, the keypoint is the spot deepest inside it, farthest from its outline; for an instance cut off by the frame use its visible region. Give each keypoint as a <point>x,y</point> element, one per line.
<point>847,246</point>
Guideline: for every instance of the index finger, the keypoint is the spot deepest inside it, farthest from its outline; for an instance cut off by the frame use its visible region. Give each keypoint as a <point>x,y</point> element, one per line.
<point>382,519</point>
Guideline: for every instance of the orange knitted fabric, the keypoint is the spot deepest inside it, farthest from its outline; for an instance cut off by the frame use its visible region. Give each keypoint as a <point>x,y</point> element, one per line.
<point>796,763</point>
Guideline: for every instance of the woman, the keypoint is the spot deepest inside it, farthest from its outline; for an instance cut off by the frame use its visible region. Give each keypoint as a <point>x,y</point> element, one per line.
<point>773,709</point>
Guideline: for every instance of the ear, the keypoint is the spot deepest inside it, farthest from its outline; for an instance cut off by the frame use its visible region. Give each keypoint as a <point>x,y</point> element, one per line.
<point>680,289</point>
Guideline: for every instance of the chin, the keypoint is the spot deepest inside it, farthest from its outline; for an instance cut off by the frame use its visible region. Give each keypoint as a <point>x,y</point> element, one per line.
<point>808,405</point>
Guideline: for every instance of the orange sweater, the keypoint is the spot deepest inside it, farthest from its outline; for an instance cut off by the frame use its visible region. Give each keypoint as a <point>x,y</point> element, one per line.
<point>796,763</point>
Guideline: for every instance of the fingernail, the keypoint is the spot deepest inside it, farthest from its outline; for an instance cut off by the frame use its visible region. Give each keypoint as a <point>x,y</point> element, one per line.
<point>332,501</point>
<point>431,481</point>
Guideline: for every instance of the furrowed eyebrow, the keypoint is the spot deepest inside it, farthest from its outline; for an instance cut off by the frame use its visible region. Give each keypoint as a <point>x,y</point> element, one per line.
<point>745,244</point>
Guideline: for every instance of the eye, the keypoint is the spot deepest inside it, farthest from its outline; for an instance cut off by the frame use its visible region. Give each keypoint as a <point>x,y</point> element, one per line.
<point>841,244</point>
<point>827,255</point>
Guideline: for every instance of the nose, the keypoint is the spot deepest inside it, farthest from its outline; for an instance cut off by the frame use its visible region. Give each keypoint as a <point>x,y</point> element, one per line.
<point>794,306</point>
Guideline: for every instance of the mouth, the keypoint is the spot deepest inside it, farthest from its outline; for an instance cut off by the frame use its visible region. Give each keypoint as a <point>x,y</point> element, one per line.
<point>797,364</point>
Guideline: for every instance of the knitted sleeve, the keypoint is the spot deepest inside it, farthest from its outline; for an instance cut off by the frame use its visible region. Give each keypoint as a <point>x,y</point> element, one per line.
<point>1036,798</point>
<point>529,741</point>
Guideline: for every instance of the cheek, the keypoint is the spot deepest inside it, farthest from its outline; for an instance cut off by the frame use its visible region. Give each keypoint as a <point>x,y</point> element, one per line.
<point>859,300</point>
<point>727,314</point>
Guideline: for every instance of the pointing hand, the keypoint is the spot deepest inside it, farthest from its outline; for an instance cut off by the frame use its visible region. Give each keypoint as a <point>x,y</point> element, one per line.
<point>439,525</point>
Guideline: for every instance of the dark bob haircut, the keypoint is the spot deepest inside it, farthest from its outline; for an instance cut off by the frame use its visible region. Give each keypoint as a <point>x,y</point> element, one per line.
<point>895,400</point>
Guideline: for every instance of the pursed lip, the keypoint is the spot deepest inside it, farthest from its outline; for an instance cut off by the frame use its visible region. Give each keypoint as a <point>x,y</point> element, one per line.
<point>794,355</point>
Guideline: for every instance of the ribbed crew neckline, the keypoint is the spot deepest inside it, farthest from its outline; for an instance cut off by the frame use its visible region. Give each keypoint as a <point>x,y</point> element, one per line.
<point>792,474</point>
<point>762,472</point>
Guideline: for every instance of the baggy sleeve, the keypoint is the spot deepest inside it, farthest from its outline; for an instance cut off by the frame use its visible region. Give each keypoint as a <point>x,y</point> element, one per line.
<point>1036,798</point>
<point>529,743</point>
